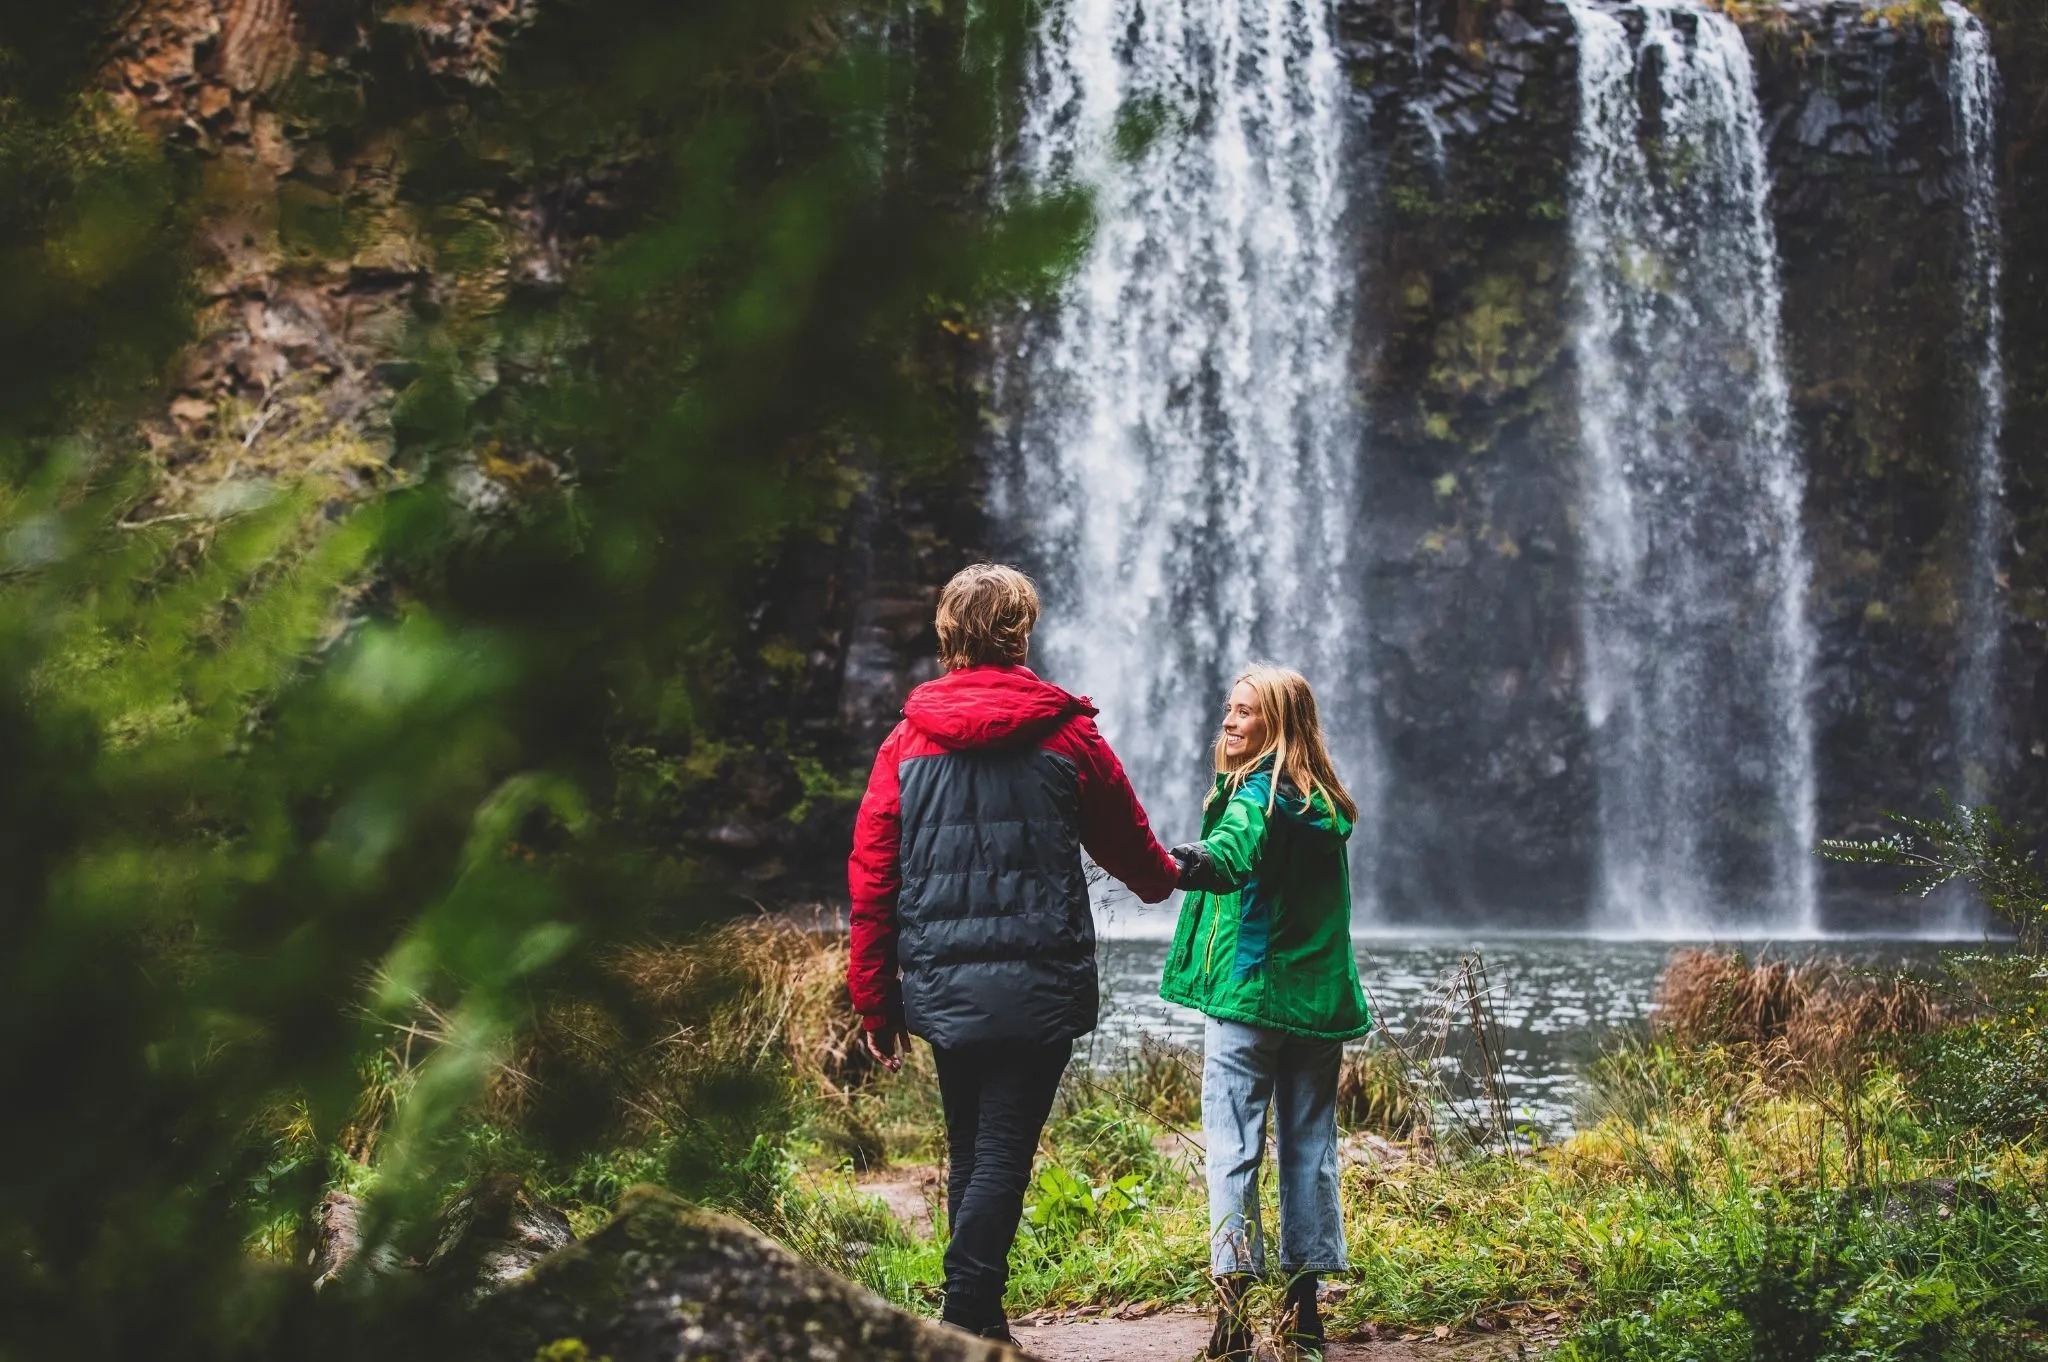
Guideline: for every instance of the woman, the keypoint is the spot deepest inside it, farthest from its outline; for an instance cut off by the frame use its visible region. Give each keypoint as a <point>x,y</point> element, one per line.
<point>1264,950</point>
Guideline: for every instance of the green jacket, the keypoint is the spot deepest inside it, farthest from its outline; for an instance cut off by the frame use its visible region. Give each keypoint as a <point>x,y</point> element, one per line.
<point>1275,952</point>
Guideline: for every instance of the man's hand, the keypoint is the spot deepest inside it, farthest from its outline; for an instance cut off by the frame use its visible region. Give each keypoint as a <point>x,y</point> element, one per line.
<point>886,1044</point>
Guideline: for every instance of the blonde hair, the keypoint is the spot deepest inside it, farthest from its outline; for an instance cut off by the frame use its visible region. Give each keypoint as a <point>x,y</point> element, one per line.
<point>986,614</point>
<point>1294,740</point>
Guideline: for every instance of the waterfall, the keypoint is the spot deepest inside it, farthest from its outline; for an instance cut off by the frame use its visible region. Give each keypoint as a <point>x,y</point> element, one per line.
<point>1698,650</point>
<point>1180,437</point>
<point>1973,90</point>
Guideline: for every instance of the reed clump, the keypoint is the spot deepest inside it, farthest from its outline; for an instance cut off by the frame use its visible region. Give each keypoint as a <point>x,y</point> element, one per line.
<point>775,987</point>
<point>1790,1018</point>
<point>1158,1079</point>
<point>1377,1091</point>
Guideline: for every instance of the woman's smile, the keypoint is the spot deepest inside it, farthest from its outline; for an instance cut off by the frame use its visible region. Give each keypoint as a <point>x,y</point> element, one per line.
<point>1244,728</point>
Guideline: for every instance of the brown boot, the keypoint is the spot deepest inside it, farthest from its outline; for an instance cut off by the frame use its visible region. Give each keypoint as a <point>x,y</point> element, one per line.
<point>1232,1338</point>
<point>1304,1319</point>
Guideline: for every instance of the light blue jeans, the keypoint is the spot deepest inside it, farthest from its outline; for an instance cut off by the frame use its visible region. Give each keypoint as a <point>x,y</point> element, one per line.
<point>1247,1070</point>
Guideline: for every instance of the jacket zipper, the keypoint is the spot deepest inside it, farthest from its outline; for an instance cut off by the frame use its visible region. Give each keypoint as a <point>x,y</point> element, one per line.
<point>1215,925</point>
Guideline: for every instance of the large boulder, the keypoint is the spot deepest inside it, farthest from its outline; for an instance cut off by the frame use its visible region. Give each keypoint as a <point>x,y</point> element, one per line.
<point>665,1282</point>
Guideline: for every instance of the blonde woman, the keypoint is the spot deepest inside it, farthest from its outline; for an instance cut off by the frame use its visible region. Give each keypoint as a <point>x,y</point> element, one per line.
<point>1264,950</point>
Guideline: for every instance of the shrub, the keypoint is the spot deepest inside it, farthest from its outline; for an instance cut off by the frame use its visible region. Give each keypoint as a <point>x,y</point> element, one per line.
<point>1987,1075</point>
<point>1973,845</point>
<point>1824,1278</point>
<point>1105,1142</point>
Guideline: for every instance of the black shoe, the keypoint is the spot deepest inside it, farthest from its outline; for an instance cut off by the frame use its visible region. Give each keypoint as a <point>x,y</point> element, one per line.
<point>1303,1329</point>
<point>1231,1340</point>
<point>977,1315</point>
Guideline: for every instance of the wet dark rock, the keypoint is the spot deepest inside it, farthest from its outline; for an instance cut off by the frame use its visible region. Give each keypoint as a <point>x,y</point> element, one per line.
<point>734,836</point>
<point>493,1234</point>
<point>1937,1198</point>
<point>486,1238</point>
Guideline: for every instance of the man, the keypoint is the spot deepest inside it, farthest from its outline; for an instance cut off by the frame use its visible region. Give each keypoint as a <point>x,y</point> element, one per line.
<point>971,923</point>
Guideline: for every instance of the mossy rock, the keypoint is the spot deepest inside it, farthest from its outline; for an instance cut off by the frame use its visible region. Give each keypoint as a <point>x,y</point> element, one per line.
<point>666,1282</point>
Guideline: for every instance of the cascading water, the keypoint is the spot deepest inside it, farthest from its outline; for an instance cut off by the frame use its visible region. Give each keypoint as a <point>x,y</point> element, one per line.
<point>1973,91</point>
<point>1698,650</point>
<point>1183,434</point>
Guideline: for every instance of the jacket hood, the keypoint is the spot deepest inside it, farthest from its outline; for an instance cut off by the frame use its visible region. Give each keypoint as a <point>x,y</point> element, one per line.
<point>1316,814</point>
<point>989,707</point>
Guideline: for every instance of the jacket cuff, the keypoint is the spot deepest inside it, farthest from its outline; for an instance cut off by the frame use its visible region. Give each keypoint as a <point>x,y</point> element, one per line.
<point>877,1021</point>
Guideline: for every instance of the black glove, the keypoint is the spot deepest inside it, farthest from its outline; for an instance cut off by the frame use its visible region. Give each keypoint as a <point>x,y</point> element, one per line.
<point>1198,869</point>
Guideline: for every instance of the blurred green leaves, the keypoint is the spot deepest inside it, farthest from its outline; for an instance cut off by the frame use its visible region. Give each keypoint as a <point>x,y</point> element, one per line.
<point>285,774</point>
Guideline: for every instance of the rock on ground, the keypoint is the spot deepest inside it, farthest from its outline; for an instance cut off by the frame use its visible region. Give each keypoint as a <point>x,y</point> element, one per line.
<point>495,1233</point>
<point>664,1282</point>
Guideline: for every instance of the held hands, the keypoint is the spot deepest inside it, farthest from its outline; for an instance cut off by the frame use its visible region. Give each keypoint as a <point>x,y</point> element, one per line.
<point>1198,869</point>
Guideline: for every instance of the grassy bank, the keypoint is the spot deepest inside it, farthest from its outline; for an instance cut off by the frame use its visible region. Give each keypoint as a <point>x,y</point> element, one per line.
<point>1776,1173</point>
<point>1799,1162</point>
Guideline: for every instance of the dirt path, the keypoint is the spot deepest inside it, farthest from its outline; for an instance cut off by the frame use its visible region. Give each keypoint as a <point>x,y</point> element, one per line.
<point>913,1191</point>
<point>1178,1336</point>
<point>910,1191</point>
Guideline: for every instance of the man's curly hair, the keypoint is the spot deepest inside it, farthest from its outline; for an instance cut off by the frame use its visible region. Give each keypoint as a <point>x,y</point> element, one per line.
<point>986,614</point>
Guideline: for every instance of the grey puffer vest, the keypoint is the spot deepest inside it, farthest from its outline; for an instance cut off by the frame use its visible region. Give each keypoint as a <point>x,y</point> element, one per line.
<point>996,941</point>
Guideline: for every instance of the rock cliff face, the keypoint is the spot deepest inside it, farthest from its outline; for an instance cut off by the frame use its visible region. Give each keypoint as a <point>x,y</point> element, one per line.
<point>330,261</point>
<point>1466,116</point>
<point>1467,113</point>
<point>311,266</point>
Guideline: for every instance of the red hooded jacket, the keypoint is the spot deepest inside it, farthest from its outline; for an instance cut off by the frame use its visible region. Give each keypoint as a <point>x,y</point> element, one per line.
<point>1013,722</point>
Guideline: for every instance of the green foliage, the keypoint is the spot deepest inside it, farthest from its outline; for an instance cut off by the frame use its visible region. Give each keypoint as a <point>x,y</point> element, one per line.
<point>1815,1279</point>
<point>1975,846</point>
<point>1063,1204</point>
<point>1106,1143</point>
<point>1986,1075</point>
<point>283,781</point>
<point>1109,1217</point>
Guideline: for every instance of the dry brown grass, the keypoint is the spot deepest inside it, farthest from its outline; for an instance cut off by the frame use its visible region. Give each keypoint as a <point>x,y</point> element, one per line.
<point>774,986</point>
<point>764,996</point>
<point>1792,1018</point>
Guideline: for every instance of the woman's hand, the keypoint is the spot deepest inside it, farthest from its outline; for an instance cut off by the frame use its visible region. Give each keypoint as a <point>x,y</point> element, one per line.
<point>1198,869</point>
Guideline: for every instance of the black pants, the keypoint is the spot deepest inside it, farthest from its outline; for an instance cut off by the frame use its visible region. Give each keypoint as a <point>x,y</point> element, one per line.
<point>996,1099</point>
